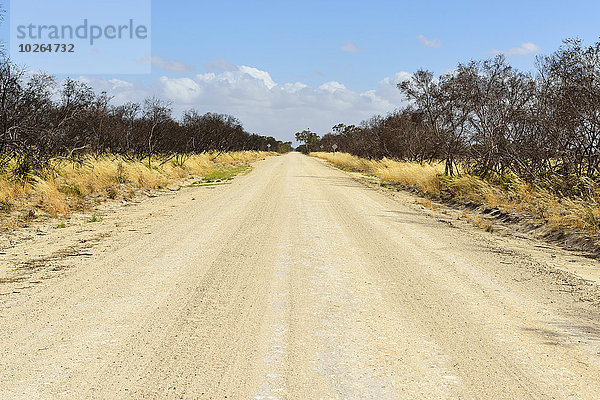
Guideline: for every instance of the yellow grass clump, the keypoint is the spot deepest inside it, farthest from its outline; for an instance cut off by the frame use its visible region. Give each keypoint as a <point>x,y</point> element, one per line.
<point>69,186</point>
<point>51,199</point>
<point>9,192</point>
<point>346,161</point>
<point>518,196</point>
<point>424,176</point>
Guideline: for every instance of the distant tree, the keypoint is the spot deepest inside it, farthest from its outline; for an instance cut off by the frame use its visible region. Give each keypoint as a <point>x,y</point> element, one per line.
<point>445,116</point>
<point>569,81</point>
<point>309,139</point>
<point>346,130</point>
<point>156,113</point>
<point>498,100</point>
<point>125,117</point>
<point>284,147</point>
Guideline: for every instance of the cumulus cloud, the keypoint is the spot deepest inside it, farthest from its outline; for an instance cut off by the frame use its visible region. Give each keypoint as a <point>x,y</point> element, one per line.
<point>429,43</point>
<point>185,90</point>
<point>121,91</point>
<point>169,65</point>
<point>387,88</point>
<point>332,86</point>
<point>524,49</point>
<point>350,47</point>
<point>263,105</point>
<point>293,87</point>
<point>117,83</point>
<point>258,75</point>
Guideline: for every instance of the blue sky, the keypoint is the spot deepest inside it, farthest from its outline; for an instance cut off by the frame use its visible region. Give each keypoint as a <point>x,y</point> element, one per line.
<point>292,40</point>
<point>283,66</point>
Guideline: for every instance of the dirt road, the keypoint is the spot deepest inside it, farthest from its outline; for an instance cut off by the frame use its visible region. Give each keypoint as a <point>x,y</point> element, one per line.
<point>294,282</point>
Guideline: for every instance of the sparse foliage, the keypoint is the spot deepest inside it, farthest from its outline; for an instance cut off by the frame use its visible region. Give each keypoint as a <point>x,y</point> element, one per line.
<point>309,139</point>
<point>41,122</point>
<point>491,120</point>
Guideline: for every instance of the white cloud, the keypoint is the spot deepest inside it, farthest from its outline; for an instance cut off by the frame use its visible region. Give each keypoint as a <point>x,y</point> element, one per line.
<point>350,47</point>
<point>117,83</point>
<point>429,43</point>
<point>524,49</point>
<point>387,87</point>
<point>332,86</point>
<point>170,65</point>
<point>185,90</point>
<point>120,91</point>
<point>260,75</point>
<point>206,77</point>
<point>293,87</point>
<point>264,106</point>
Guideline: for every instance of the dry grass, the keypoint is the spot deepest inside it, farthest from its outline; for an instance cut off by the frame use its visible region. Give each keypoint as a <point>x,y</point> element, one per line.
<point>9,192</point>
<point>512,195</point>
<point>69,187</point>
<point>424,176</point>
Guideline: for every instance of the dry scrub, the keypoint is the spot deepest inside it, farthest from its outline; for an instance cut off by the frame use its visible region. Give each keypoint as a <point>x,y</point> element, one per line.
<point>509,195</point>
<point>69,186</point>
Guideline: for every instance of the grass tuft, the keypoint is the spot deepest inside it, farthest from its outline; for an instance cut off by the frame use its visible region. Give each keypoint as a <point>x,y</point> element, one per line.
<point>226,173</point>
<point>95,218</point>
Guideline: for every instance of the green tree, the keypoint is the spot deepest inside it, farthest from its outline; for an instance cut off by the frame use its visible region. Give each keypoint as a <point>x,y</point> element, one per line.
<point>345,130</point>
<point>308,138</point>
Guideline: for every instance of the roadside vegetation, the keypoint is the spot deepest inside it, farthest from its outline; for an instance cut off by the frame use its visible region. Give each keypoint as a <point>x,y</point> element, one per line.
<point>512,195</point>
<point>488,134</point>
<point>65,147</point>
<point>69,187</point>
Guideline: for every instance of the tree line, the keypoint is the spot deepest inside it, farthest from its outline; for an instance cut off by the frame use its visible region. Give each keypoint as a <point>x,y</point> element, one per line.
<point>489,119</point>
<point>42,120</point>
